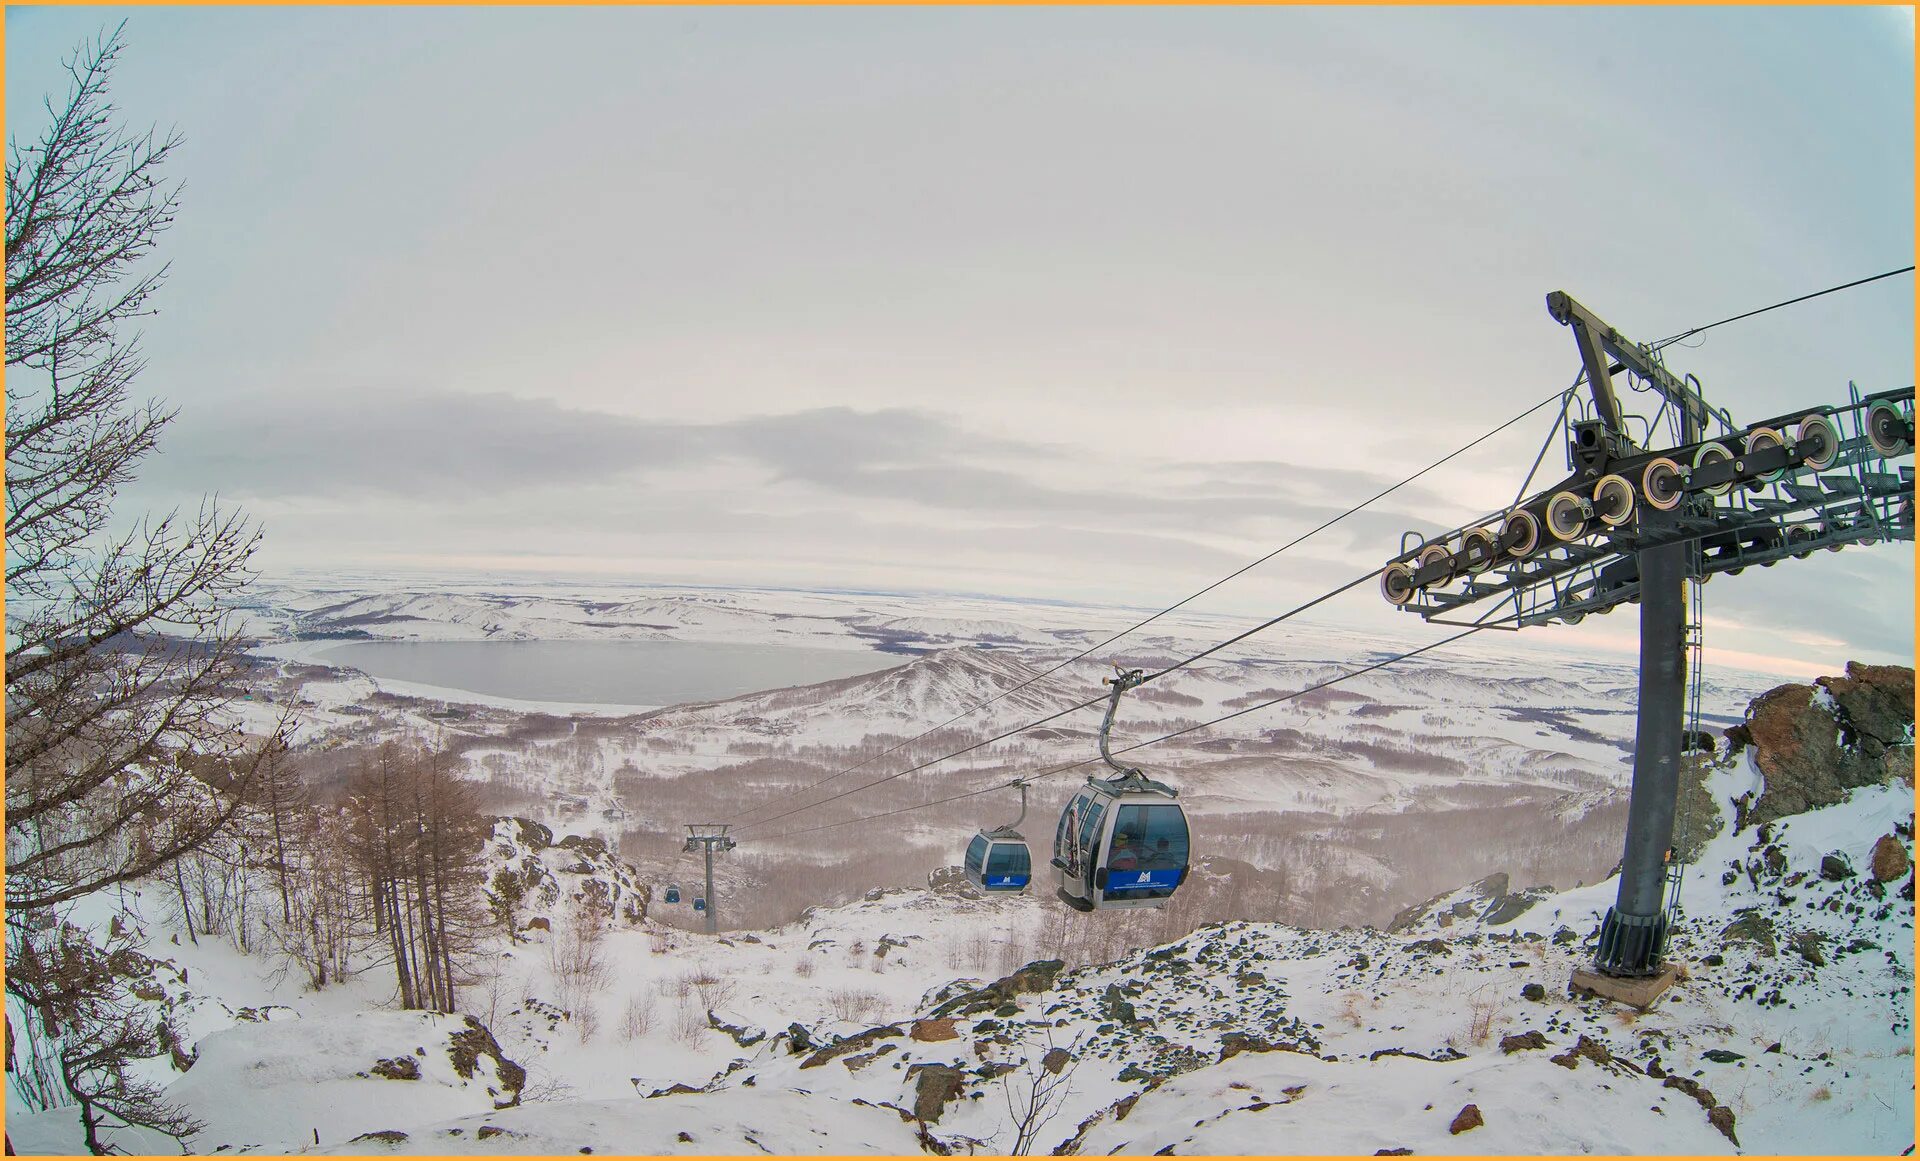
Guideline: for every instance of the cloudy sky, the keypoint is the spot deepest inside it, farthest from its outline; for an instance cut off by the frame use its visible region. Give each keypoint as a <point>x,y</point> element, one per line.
<point>1087,304</point>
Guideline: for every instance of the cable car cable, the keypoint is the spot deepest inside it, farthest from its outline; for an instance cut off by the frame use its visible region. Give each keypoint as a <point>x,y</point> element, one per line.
<point>1264,625</point>
<point>998,786</point>
<point>931,762</point>
<point>1564,396</point>
<point>1181,664</point>
<point>1383,493</point>
<point>1671,339</point>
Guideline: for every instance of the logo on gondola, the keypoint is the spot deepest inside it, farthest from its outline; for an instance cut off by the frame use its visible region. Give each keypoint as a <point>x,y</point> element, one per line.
<point>1145,877</point>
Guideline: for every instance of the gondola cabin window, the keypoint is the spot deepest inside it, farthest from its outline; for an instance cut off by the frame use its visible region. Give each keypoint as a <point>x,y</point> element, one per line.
<point>1009,865</point>
<point>1148,855</point>
<point>1090,829</point>
<point>976,856</point>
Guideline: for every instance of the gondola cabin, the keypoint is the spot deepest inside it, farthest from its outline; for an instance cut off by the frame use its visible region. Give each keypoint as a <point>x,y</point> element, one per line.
<point>1121,842</point>
<point>699,904</point>
<point>673,892</point>
<point>998,862</point>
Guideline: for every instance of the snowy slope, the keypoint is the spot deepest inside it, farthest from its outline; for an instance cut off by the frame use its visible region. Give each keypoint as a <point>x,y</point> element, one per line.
<point>906,1020</point>
<point>1259,1038</point>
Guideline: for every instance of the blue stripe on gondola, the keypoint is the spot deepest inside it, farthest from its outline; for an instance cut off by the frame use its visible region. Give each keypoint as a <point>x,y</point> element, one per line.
<point>1118,881</point>
<point>1011,882</point>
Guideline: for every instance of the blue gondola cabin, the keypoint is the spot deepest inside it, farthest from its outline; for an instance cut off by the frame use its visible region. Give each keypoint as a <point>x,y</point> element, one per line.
<point>998,861</point>
<point>1121,843</point>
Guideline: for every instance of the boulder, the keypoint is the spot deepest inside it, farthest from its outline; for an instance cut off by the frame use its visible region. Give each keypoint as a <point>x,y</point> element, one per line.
<point>1467,1118</point>
<point>1584,1049</point>
<point>535,835</point>
<point>1890,861</point>
<point>1815,742</point>
<point>736,1029</point>
<point>935,1086</point>
<point>933,1030</point>
<point>1752,927</point>
<point>1721,1118</point>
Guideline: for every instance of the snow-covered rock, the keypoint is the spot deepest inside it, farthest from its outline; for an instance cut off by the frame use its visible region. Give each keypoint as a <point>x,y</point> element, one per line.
<point>274,1085</point>
<point>534,879</point>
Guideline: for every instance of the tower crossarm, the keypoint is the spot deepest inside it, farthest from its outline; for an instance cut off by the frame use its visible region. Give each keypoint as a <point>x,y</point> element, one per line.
<point>1604,352</point>
<point>1822,477</point>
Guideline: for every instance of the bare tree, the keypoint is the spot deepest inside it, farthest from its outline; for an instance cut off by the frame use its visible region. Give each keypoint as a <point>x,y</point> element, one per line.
<point>123,752</point>
<point>122,661</point>
<point>1037,1090</point>
<point>95,1029</point>
<point>418,843</point>
<point>325,908</point>
<point>580,968</point>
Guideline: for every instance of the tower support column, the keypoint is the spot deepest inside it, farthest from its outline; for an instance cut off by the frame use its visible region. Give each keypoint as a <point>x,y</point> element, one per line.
<point>1633,937</point>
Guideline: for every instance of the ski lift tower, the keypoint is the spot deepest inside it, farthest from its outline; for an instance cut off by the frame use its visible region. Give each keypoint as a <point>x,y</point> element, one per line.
<point>1633,525</point>
<point>705,837</point>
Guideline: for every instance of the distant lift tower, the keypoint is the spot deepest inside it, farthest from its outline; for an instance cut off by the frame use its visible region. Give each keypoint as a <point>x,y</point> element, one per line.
<point>706,836</point>
<point>1633,525</point>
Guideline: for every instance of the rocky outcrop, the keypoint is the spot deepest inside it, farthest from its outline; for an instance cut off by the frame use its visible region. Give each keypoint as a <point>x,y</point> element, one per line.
<point>1815,742</point>
<point>951,881</point>
<point>1035,977</point>
<point>857,1041</point>
<point>532,878</point>
<point>1489,901</point>
<point>471,1047</point>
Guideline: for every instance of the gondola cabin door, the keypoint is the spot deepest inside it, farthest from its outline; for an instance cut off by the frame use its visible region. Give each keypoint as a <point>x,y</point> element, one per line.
<point>1145,857</point>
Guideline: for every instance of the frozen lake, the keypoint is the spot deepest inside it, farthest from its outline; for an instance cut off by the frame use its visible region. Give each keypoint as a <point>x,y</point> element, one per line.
<point>603,672</point>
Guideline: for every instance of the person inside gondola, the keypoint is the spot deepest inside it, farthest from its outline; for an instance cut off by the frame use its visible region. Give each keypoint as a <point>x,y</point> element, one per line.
<point>1128,853</point>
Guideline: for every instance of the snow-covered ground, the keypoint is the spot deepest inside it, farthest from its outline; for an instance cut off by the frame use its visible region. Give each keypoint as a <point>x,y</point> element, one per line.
<point>914,1017</point>
<point>874,1028</point>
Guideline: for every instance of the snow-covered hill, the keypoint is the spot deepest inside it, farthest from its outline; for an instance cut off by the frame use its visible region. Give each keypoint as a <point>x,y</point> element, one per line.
<point>1792,1032</point>
<point>915,1019</point>
<point>1315,798</point>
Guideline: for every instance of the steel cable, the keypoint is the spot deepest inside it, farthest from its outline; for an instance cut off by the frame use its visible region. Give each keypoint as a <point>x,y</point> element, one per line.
<point>1141,745</point>
<point>1323,526</point>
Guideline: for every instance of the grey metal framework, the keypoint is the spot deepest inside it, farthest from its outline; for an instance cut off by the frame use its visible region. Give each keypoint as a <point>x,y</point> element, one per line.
<point>1630,525</point>
<point>706,837</point>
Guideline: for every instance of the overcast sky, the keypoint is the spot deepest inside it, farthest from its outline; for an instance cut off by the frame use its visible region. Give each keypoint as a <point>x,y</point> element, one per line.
<point>1088,304</point>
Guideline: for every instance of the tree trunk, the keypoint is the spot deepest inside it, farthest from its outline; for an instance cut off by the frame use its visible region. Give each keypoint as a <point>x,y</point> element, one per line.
<point>279,844</point>
<point>186,908</point>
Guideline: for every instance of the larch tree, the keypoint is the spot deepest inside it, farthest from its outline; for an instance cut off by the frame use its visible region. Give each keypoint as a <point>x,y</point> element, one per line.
<point>418,841</point>
<point>123,751</point>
